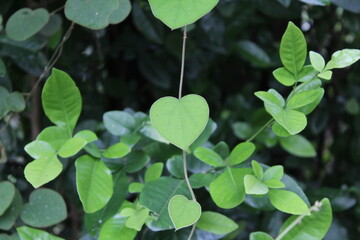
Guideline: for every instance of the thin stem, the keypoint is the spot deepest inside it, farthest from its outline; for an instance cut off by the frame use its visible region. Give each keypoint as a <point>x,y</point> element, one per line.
<point>57,10</point>
<point>315,208</point>
<point>186,176</point>
<point>182,62</point>
<point>261,129</point>
<point>192,231</point>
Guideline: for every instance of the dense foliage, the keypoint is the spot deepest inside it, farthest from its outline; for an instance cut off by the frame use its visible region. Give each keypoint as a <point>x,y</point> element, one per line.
<point>106,149</point>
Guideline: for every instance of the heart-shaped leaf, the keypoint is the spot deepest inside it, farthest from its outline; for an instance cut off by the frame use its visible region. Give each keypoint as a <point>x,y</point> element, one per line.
<point>93,14</point>
<point>180,121</point>
<point>183,212</point>
<point>27,233</point>
<point>45,208</point>
<point>25,23</point>
<point>7,193</point>
<point>8,218</point>
<point>178,13</point>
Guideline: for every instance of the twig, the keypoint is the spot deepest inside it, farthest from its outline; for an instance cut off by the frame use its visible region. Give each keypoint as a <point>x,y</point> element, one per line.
<point>182,62</point>
<point>186,176</point>
<point>260,130</point>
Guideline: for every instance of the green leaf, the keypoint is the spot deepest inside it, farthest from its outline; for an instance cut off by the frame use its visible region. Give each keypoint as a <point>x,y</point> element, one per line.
<point>93,221</point>
<point>93,14</point>
<point>16,102</point>
<point>183,212</point>
<point>55,136</point>
<point>241,152</point>
<point>4,107</point>
<point>154,172</point>
<point>260,236</point>
<point>25,23</point>
<point>121,13</point>
<point>7,194</point>
<point>293,49</point>
<point>217,223</point>
<point>274,183</point>
<point>175,166</point>
<point>304,98</point>
<point>94,183</point>
<point>136,187</point>
<point>307,73</point>
<point>228,190</point>
<point>317,61</point>
<point>45,208</point>
<point>257,168</point>
<point>137,219</point>
<point>313,227</point>
<point>274,172</point>
<point>209,156</point>
<point>38,149</point>
<point>135,161</point>
<point>254,186</point>
<point>178,13</point>
<point>199,180</point>
<point>293,121</point>
<point>180,121</point>
<point>87,135</point>
<point>325,75</point>
<point>27,233</point>
<point>222,149</point>
<point>287,202</point>
<point>61,100</point>
<point>269,98</point>
<point>253,53</point>
<point>8,218</point>
<point>284,76</point>
<point>118,123</point>
<point>343,58</point>
<point>210,128</point>
<point>279,130</point>
<point>242,130</point>
<point>298,146</point>
<point>156,196</point>
<point>115,227</point>
<point>72,147</point>
<point>117,150</point>
<point>43,170</point>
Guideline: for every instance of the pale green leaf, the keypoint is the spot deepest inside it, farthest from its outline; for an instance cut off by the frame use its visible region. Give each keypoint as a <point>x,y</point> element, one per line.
<point>136,187</point>
<point>25,23</point>
<point>94,183</point>
<point>269,98</point>
<point>45,208</point>
<point>180,121</point>
<point>260,236</point>
<point>343,58</point>
<point>287,202</point>
<point>241,152</point>
<point>317,61</point>
<point>254,186</point>
<point>72,147</point>
<point>199,180</point>
<point>284,76</point>
<point>304,98</point>
<point>137,219</point>
<point>178,13</point>
<point>87,135</point>
<point>216,223</point>
<point>209,156</point>
<point>43,170</point>
<point>27,233</point>
<point>154,172</point>
<point>117,150</point>
<point>118,123</point>
<point>183,212</point>
<point>293,49</point>
<point>293,121</point>
<point>121,13</point>
<point>274,183</point>
<point>298,146</point>
<point>279,130</point>
<point>313,227</point>
<point>325,75</point>
<point>227,190</point>
<point>38,149</point>
<point>55,136</point>
<point>61,100</point>
<point>307,73</point>
<point>156,196</point>
<point>258,170</point>
<point>274,172</point>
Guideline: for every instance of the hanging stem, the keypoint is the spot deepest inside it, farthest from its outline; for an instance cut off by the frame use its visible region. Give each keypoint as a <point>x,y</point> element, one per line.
<point>315,208</point>
<point>186,176</point>
<point>182,62</point>
<point>192,232</point>
<point>260,130</point>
